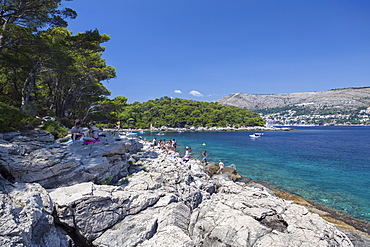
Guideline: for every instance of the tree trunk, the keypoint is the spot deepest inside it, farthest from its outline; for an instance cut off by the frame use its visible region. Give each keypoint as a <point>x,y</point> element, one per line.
<point>27,86</point>
<point>26,91</point>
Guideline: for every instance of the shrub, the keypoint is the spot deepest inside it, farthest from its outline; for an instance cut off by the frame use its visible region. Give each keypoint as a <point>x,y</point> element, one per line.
<point>55,129</point>
<point>106,125</point>
<point>67,122</point>
<point>107,181</point>
<point>123,181</point>
<point>11,119</point>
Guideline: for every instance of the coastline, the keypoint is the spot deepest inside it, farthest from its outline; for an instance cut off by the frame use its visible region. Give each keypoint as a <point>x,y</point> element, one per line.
<point>331,215</point>
<point>339,218</point>
<point>358,228</point>
<point>242,128</point>
<point>192,128</point>
<point>125,193</point>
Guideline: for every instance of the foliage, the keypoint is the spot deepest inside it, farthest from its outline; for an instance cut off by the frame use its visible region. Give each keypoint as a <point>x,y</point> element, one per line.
<point>107,181</point>
<point>105,110</point>
<point>34,13</point>
<point>66,122</point>
<point>44,69</point>
<point>11,119</point>
<point>181,113</point>
<point>124,181</point>
<point>55,129</point>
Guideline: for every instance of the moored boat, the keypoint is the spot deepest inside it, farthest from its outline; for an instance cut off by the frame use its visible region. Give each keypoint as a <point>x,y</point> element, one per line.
<point>256,135</point>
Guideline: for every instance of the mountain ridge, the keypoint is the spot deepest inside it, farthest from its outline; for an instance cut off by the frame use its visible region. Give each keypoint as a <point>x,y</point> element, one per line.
<point>345,98</point>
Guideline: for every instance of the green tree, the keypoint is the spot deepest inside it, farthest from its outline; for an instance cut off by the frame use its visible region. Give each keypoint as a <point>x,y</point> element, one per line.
<point>181,113</point>
<point>30,14</point>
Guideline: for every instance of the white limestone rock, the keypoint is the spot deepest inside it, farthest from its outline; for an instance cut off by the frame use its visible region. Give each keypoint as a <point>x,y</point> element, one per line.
<point>26,217</point>
<point>167,203</point>
<point>34,156</point>
<point>91,209</point>
<point>252,216</point>
<point>169,236</point>
<point>131,231</point>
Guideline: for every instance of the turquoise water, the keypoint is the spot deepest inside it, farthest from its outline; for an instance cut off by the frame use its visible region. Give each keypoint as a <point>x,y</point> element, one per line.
<point>330,165</point>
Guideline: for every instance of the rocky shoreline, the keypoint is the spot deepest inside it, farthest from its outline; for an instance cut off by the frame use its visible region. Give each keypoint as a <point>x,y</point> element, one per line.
<point>121,192</point>
<point>193,128</point>
<point>333,216</point>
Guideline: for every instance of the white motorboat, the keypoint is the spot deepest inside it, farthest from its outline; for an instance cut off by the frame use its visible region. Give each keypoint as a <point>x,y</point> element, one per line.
<point>131,134</point>
<point>256,135</point>
<point>127,134</point>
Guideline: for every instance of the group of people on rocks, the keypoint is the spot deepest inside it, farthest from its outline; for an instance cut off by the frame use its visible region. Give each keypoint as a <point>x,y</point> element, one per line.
<point>171,146</point>
<point>168,146</point>
<point>79,136</point>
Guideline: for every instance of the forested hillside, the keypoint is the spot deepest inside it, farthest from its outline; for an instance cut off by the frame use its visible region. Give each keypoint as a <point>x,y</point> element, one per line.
<point>180,113</point>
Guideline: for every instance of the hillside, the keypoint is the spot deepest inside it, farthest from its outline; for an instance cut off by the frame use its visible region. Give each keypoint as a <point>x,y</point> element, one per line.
<point>181,113</point>
<point>344,104</point>
<point>349,98</point>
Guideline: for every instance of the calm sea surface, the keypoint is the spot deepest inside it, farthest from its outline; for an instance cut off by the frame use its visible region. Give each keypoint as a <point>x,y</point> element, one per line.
<point>330,165</point>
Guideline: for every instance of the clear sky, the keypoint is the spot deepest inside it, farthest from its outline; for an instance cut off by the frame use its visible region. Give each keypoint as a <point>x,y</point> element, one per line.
<point>207,49</point>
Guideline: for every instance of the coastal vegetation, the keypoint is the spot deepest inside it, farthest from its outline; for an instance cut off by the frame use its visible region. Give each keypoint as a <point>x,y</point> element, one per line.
<point>181,113</point>
<point>44,68</point>
<point>12,119</point>
<point>55,129</point>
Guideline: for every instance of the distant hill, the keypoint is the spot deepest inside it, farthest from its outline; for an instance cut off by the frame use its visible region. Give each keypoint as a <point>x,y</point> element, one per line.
<point>183,113</point>
<point>346,99</point>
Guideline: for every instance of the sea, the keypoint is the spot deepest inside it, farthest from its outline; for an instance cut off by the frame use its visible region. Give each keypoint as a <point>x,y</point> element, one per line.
<point>329,165</point>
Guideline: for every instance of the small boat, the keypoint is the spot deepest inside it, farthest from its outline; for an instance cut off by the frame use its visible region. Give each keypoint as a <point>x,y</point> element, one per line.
<point>256,135</point>
<point>127,134</point>
<point>160,134</point>
<point>131,134</point>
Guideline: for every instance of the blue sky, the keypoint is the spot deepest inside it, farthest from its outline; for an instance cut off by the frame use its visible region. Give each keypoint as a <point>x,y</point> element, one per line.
<point>207,49</point>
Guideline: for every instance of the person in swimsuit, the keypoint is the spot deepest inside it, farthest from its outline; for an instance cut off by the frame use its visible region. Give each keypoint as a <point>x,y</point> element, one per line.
<point>76,130</point>
<point>221,165</point>
<point>204,153</point>
<point>93,134</point>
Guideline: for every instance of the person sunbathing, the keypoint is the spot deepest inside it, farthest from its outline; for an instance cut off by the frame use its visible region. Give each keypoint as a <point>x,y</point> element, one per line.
<point>93,134</point>
<point>76,130</point>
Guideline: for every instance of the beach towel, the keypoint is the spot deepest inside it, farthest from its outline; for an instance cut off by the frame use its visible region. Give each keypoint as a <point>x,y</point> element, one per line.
<point>98,140</point>
<point>67,143</point>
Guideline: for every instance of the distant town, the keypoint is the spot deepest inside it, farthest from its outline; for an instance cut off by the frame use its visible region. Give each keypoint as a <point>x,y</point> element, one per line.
<point>295,117</point>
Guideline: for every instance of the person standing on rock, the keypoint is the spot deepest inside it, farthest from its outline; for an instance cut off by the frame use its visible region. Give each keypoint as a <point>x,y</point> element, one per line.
<point>204,153</point>
<point>154,144</point>
<point>187,155</point>
<point>221,165</point>
<point>189,151</point>
<point>174,145</point>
